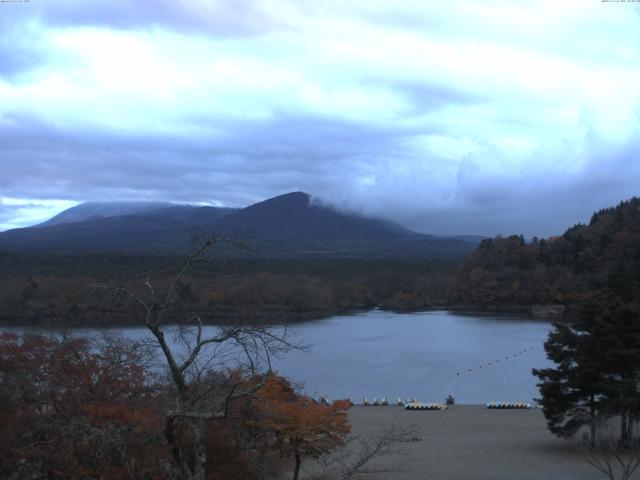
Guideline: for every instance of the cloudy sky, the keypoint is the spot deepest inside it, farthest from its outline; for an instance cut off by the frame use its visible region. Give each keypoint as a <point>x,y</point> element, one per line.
<point>452,116</point>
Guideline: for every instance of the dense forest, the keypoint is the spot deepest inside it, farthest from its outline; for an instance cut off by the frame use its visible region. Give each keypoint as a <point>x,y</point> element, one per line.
<point>585,261</point>
<point>504,273</point>
<point>60,290</point>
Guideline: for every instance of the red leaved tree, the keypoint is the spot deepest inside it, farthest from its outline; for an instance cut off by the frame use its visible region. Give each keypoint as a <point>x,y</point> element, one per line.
<point>300,426</point>
<point>76,408</point>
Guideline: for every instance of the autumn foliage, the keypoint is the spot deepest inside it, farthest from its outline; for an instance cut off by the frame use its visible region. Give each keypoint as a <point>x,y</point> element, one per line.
<point>74,408</point>
<point>301,427</point>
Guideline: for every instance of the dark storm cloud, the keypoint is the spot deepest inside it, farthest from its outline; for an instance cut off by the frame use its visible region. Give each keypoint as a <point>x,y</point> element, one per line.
<point>237,169</point>
<point>436,117</point>
<point>542,204</point>
<point>256,160</point>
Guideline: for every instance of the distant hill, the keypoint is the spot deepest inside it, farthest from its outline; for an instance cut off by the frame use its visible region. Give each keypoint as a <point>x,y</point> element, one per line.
<point>96,210</point>
<point>147,228</point>
<point>290,225</point>
<point>600,257</point>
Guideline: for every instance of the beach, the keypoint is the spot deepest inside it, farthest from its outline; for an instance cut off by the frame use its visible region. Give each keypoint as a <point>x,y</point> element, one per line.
<point>471,442</point>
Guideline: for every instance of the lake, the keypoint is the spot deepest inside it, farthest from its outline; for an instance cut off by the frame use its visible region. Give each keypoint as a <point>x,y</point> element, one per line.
<point>427,355</point>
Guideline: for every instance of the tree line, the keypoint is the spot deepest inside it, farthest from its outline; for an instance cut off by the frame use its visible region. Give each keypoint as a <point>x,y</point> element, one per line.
<point>583,262</point>
<point>180,404</point>
<point>595,380</point>
<point>57,290</point>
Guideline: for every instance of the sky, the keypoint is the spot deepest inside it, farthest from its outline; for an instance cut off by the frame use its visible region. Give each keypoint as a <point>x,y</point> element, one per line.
<point>449,117</point>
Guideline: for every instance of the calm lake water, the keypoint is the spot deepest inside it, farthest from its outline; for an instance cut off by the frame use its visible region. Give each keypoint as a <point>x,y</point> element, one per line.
<point>475,358</point>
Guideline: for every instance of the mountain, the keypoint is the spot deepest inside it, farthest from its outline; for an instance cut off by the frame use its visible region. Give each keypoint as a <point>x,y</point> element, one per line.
<point>290,225</point>
<point>147,228</point>
<point>295,215</point>
<point>189,214</point>
<point>96,210</point>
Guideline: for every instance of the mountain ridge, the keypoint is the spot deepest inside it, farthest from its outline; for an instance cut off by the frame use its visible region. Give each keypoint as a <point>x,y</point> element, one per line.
<point>289,225</point>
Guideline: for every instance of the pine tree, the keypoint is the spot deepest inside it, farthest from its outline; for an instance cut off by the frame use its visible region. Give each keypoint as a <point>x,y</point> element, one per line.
<point>597,373</point>
<point>616,328</point>
<point>572,392</point>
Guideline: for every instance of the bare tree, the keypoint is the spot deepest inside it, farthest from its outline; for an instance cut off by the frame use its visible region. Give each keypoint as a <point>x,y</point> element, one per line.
<point>194,359</point>
<point>359,454</point>
<point>616,460</point>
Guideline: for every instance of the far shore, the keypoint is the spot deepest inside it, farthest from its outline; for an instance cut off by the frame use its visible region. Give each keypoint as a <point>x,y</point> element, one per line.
<point>471,442</point>
<point>531,312</point>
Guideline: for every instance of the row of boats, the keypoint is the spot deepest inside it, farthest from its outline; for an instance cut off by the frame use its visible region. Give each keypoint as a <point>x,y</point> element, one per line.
<point>414,404</point>
<point>384,402</point>
<point>508,405</point>
<point>425,406</point>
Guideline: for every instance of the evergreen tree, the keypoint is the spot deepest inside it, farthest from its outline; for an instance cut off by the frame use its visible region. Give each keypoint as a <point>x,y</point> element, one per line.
<point>572,393</point>
<point>616,329</point>
<point>597,373</point>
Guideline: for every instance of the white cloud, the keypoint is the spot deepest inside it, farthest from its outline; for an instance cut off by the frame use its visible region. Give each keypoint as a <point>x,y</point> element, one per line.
<point>22,212</point>
<point>380,106</point>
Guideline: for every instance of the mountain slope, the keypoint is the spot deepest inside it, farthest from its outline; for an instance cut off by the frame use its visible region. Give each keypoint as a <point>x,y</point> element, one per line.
<point>290,225</point>
<point>152,228</point>
<point>293,225</point>
<point>121,234</point>
<point>96,210</point>
<point>295,215</point>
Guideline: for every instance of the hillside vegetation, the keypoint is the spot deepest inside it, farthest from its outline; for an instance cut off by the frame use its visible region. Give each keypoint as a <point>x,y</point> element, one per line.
<point>586,260</point>
<point>59,290</point>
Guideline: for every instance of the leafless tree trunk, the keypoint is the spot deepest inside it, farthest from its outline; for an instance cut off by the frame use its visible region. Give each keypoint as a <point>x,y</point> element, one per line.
<point>197,403</point>
<point>612,458</point>
<point>355,458</point>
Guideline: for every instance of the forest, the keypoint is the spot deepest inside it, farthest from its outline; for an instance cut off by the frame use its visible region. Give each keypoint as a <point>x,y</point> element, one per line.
<point>503,273</point>
<point>60,290</point>
<point>565,270</point>
<point>207,408</point>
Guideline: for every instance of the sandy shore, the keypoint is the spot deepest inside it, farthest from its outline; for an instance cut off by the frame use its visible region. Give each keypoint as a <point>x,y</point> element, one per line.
<point>469,442</point>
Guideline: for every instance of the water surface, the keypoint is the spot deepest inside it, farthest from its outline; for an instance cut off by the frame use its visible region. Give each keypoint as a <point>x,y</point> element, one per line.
<point>429,355</point>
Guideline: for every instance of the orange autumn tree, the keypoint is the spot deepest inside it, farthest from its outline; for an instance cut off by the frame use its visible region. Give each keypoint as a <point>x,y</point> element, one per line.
<point>301,427</point>
<point>76,408</point>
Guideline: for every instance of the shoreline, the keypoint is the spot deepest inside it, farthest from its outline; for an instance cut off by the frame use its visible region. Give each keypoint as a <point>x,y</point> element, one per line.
<point>525,312</point>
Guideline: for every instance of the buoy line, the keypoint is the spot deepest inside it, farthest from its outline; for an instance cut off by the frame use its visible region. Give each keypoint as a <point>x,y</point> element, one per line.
<point>488,364</point>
